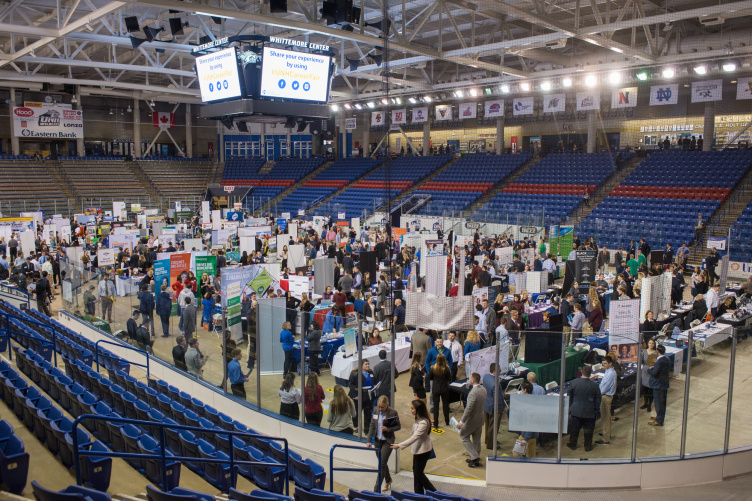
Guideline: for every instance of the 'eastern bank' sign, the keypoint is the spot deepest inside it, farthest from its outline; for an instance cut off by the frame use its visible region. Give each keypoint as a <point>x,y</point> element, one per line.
<point>48,121</point>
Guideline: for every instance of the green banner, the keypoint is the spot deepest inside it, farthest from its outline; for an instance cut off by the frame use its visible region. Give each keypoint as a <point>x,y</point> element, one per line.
<point>233,311</point>
<point>233,256</point>
<point>261,282</point>
<point>206,264</point>
<point>185,214</point>
<point>553,240</point>
<point>566,240</point>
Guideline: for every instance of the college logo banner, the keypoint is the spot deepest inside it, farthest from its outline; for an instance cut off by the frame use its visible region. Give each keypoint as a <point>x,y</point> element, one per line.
<point>494,108</point>
<point>588,101</point>
<point>444,112</point>
<point>554,103</point>
<point>468,110</point>
<point>664,94</point>
<point>523,106</point>
<point>47,122</point>
<point>377,118</point>
<point>420,115</point>
<point>744,88</point>
<point>624,98</point>
<point>709,90</point>
<point>399,116</point>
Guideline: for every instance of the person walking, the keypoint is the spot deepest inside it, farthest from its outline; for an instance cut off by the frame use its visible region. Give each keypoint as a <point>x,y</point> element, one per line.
<point>189,319</point>
<point>235,374</point>
<point>341,412</point>
<point>659,384</point>
<point>421,446</point>
<point>384,423</point>
<point>314,396</point>
<point>44,292</point>
<point>471,424</point>
<point>194,359</point>
<point>441,376</point>
<point>106,292</point>
<point>164,310</point>
<point>382,377</point>
<point>178,353</point>
<point>584,408</point>
<point>146,306</point>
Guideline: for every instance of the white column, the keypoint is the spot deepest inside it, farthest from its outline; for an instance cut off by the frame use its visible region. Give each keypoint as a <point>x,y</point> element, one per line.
<point>188,131</point>
<point>591,132</point>
<point>500,136</point>
<point>426,138</point>
<point>80,149</point>
<point>15,147</point>
<point>708,128</point>
<point>137,153</point>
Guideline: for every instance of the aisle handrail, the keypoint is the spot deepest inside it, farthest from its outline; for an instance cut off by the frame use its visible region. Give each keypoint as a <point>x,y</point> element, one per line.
<point>8,333</point>
<point>115,357</point>
<point>332,469</point>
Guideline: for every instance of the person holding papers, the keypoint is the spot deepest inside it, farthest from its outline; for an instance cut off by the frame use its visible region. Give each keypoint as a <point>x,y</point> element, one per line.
<point>489,383</point>
<point>384,422</point>
<point>608,389</point>
<point>471,424</point>
<point>421,446</point>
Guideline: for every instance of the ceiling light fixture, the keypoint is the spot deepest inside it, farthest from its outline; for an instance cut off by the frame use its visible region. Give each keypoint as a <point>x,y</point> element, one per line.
<point>642,75</point>
<point>384,101</point>
<point>614,78</point>
<point>371,104</point>
<point>700,69</point>
<point>567,82</point>
<point>505,88</point>
<point>347,106</point>
<point>525,87</point>
<point>358,106</point>
<point>427,98</point>
<point>474,92</point>
<point>545,85</point>
<point>412,100</point>
<point>591,80</point>
<point>335,107</point>
<point>668,72</point>
<point>729,66</point>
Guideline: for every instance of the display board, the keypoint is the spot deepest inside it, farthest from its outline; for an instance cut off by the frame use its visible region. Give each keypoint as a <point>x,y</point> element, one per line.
<point>655,294</point>
<point>301,76</point>
<point>218,75</point>
<point>536,413</point>
<point>436,276</point>
<point>505,255</point>
<point>439,313</point>
<point>47,122</point>
<point>296,256</point>
<point>586,262</point>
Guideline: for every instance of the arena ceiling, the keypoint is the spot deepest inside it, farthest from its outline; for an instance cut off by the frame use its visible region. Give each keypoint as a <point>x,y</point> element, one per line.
<point>434,45</point>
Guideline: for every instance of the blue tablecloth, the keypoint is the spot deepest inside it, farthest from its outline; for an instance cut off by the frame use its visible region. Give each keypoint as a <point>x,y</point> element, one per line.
<point>598,342</point>
<point>328,348</point>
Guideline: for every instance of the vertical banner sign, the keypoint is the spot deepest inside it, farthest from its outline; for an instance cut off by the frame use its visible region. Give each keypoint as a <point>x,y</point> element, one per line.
<point>205,212</point>
<point>553,240</point>
<point>590,100</point>
<point>420,115</point>
<point>523,106</point>
<point>624,98</point>
<point>585,264</point>
<point>206,264</point>
<point>566,240</point>
<point>744,88</point>
<point>664,94</point>
<point>234,319</point>
<point>709,90</point>
<point>468,110</point>
<point>179,264</point>
<point>624,328</point>
<point>161,275</point>
<point>443,112</point>
<point>555,103</point>
<point>377,118</point>
<point>106,257</point>
<point>399,117</point>
<point>494,108</point>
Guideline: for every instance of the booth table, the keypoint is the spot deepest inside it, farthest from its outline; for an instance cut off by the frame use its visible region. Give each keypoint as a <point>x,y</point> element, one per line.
<point>328,348</point>
<point>342,367</point>
<point>126,286</point>
<point>736,322</point>
<point>595,342</point>
<point>551,371</point>
<point>708,334</point>
<point>319,313</point>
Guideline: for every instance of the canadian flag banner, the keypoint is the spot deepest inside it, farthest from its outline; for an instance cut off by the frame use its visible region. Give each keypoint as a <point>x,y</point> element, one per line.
<point>161,119</point>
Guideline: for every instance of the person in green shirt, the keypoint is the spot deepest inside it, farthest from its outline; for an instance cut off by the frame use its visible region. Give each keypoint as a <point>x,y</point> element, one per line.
<point>642,260</point>
<point>632,264</point>
<point>542,248</point>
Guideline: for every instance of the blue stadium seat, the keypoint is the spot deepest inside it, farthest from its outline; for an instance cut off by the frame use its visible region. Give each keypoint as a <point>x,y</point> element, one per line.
<point>14,464</point>
<point>71,493</point>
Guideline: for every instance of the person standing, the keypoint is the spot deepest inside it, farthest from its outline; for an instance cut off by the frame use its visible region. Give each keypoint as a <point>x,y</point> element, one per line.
<point>608,389</point>
<point>441,376</point>
<point>366,384</point>
<point>527,439</point>
<point>290,397</point>
<point>384,423</point>
<point>44,292</point>
<point>382,377</point>
<point>489,383</point>
<point>584,408</point>
<point>314,396</point>
<point>565,309</point>
<point>341,412</point>
<point>471,424</point>
<point>455,348</point>
<point>712,299</point>
<point>288,340</point>
<point>106,292</point>
<point>189,318</point>
<point>184,298</point>
<point>314,347</point>
<point>421,446</point>
<point>659,384</point>
<point>146,306</point>
<point>178,353</point>
<point>194,359</point>
<point>235,374</point>
<point>164,310</point>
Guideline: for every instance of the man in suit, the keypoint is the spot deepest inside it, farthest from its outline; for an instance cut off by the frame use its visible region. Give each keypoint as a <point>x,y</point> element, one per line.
<point>489,383</point>
<point>565,309</point>
<point>700,307</point>
<point>178,353</point>
<point>604,257</point>
<point>420,342</point>
<point>584,408</point>
<point>382,376</point>
<point>384,423</point>
<point>471,424</point>
<point>659,384</point>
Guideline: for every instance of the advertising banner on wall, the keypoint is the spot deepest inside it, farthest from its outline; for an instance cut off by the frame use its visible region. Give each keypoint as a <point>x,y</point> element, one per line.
<point>664,94</point>
<point>420,115</point>
<point>161,275</point>
<point>523,106</point>
<point>709,90</point>
<point>399,116</point>
<point>624,98</point>
<point>744,88</point>
<point>468,110</point>
<point>590,100</point>
<point>377,118</point>
<point>443,112</point>
<point>494,108</point>
<point>47,122</point>
<point>555,103</point>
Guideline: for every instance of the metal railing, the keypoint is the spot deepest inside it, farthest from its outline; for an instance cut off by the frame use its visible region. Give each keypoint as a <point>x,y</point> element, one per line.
<point>332,469</point>
<point>8,332</point>
<point>120,345</point>
<point>162,456</point>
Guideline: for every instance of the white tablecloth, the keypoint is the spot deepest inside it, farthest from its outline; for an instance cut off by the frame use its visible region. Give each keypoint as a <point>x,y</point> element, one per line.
<point>710,336</point>
<point>127,286</point>
<point>342,367</point>
<point>678,358</point>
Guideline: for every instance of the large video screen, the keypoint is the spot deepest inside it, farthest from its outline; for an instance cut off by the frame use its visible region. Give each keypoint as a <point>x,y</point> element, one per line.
<point>218,75</point>
<point>295,75</point>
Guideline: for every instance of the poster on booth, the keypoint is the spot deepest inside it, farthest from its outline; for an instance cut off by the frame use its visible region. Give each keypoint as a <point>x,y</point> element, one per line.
<point>180,265</point>
<point>624,328</point>
<point>236,217</point>
<point>282,225</point>
<point>106,257</point>
<point>161,275</point>
<point>47,122</point>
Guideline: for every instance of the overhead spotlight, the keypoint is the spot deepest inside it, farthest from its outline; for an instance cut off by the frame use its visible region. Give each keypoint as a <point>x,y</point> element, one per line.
<point>591,80</point>
<point>176,26</point>
<point>504,88</point>
<point>129,110</point>
<point>277,6</point>
<point>614,78</point>
<point>111,112</point>
<point>151,33</point>
<point>412,100</point>
<point>525,87</point>
<point>334,107</point>
<point>377,58</point>
<point>242,127</point>
<point>642,75</point>
<point>348,106</point>
<point>427,98</point>
<point>131,24</point>
<point>729,66</point>
<point>371,104</point>
<point>700,69</point>
<point>398,100</point>
<point>384,101</point>
<point>382,25</point>
<point>358,106</point>
<point>291,122</point>
<point>545,85</point>
<point>354,63</point>
<point>74,100</point>
<point>474,92</point>
<point>566,82</point>
<point>458,93</point>
<point>488,91</point>
<point>668,72</point>
<point>136,42</point>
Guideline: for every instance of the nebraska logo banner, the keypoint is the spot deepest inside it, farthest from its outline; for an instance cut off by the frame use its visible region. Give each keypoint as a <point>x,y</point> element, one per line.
<point>420,115</point>
<point>399,116</point>
<point>555,103</point>
<point>709,90</point>
<point>744,88</point>
<point>377,118</point>
<point>494,108</point>
<point>468,110</point>
<point>162,119</point>
<point>664,94</point>
<point>624,98</point>
<point>588,101</point>
<point>444,112</point>
<point>523,106</point>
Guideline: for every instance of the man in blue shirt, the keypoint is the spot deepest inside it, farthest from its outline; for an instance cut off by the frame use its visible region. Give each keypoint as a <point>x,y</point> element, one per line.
<point>489,383</point>
<point>537,389</point>
<point>608,389</point>
<point>237,379</point>
<point>399,316</point>
<point>434,352</point>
